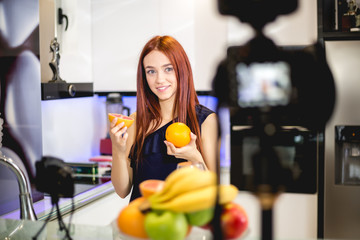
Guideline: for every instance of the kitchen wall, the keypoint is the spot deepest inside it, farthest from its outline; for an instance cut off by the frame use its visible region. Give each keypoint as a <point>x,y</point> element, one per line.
<point>121,28</point>
<point>72,128</point>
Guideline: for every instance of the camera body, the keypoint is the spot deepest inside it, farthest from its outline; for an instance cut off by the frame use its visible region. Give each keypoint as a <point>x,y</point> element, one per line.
<point>54,177</point>
<point>279,100</point>
<point>277,93</point>
<point>263,83</point>
<point>256,12</point>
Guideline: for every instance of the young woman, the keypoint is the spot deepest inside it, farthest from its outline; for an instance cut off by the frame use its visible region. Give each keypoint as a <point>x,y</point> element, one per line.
<point>165,94</point>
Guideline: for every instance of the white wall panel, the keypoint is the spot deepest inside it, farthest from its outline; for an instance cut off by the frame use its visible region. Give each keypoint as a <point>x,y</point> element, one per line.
<point>120,29</point>
<point>297,28</point>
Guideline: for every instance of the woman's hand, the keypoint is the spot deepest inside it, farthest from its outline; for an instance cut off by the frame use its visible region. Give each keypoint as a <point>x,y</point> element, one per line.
<point>188,152</point>
<point>118,134</point>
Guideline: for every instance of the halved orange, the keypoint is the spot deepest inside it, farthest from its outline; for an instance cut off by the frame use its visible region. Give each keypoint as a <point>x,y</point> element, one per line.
<point>121,118</point>
<point>151,186</point>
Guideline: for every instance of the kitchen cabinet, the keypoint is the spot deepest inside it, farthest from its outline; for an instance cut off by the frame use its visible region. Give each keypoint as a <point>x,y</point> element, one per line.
<point>338,20</point>
<point>65,49</point>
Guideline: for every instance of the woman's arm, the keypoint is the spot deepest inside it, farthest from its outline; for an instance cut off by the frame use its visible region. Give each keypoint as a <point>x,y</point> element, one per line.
<point>210,141</point>
<point>122,140</point>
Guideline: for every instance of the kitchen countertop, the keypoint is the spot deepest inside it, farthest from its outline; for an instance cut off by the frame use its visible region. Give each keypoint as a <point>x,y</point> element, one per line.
<point>97,209</point>
<point>87,195</point>
<point>84,195</point>
<point>13,228</point>
<point>26,229</point>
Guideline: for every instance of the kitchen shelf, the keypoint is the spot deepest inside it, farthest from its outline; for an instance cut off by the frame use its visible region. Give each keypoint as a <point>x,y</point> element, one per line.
<point>335,36</point>
<point>329,22</point>
<point>52,91</point>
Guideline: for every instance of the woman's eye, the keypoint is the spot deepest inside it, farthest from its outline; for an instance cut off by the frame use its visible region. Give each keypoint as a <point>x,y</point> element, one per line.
<point>169,69</point>
<point>150,72</point>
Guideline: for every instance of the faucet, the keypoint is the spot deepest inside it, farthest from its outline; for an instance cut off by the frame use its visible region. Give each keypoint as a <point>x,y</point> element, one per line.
<point>26,204</point>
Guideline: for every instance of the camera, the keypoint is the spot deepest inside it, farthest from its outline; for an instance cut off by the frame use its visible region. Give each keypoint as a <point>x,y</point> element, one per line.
<point>279,99</point>
<point>256,12</point>
<point>276,95</point>
<point>262,83</point>
<point>266,84</point>
<point>54,177</point>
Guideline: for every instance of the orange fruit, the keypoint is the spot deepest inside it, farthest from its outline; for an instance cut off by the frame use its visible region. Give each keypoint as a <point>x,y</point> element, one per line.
<point>131,220</point>
<point>151,186</point>
<point>121,118</point>
<point>178,134</point>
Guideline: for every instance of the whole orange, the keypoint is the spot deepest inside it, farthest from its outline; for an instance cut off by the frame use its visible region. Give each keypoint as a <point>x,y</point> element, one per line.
<point>178,133</point>
<point>131,220</point>
<point>121,118</point>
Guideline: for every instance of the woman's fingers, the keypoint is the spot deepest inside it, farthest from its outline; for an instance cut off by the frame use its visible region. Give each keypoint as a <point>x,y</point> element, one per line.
<point>121,132</point>
<point>125,136</point>
<point>115,128</point>
<point>186,152</point>
<point>192,138</point>
<point>113,122</point>
<point>171,149</point>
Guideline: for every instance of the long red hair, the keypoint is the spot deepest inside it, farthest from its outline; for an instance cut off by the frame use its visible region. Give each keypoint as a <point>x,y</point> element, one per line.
<point>148,107</point>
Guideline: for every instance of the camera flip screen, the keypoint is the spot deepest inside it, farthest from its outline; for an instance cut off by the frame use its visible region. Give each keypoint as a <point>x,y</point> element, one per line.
<point>263,84</point>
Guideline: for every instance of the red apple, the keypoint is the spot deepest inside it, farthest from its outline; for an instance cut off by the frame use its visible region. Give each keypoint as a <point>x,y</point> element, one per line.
<point>234,220</point>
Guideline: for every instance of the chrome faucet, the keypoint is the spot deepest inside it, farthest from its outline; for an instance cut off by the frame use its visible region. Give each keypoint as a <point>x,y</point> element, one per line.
<point>26,203</point>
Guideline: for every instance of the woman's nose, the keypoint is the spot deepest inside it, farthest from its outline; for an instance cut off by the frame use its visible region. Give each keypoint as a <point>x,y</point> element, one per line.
<point>160,77</point>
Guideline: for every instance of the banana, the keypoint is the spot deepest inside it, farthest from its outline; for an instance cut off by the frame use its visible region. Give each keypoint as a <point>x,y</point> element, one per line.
<point>192,201</point>
<point>227,193</point>
<point>197,200</point>
<point>177,175</point>
<point>193,180</point>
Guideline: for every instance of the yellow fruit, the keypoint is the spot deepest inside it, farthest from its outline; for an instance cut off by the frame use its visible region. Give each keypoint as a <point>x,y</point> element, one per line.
<point>121,118</point>
<point>196,199</point>
<point>178,134</point>
<point>182,181</point>
<point>131,220</point>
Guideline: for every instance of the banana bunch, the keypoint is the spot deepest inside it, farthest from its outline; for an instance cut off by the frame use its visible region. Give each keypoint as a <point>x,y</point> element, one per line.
<point>189,190</point>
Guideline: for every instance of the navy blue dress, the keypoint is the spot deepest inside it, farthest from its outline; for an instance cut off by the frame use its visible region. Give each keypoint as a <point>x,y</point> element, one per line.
<point>156,163</point>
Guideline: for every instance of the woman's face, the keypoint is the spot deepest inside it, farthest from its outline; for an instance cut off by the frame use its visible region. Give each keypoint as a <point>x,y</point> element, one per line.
<point>160,75</point>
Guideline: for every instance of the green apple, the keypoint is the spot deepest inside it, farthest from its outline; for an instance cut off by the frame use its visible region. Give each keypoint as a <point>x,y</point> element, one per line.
<point>166,225</point>
<point>200,218</point>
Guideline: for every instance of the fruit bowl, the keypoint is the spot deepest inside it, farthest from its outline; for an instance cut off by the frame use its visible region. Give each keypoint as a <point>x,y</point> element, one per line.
<point>195,234</point>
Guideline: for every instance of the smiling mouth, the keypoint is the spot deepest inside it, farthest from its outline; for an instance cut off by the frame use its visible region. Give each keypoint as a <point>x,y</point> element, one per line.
<point>162,88</point>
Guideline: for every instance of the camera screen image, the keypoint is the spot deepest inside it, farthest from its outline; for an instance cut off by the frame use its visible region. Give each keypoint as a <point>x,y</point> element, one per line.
<point>263,84</point>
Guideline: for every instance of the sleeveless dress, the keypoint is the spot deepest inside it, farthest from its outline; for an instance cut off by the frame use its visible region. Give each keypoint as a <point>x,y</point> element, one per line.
<point>156,163</point>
